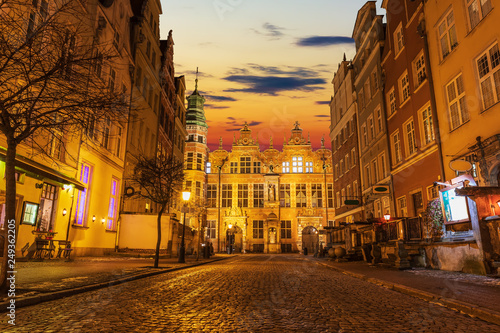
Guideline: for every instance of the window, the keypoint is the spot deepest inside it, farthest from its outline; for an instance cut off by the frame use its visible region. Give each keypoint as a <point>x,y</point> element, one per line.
<point>113,203</point>
<point>419,74</point>
<point>399,41</point>
<point>457,105</point>
<point>198,189</point>
<point>258,195</point>
<point>208,167</point>
<point>200,139</point>
<point>285,195</point>
<point>347,163</point>
<point>432,192</point>
<point>300,195</point>
<point>211,229</point>
<point>361,99</point>
<point>234,167</point>
<point>242,195</point>
<point>189,161</point>
<point>374,170</point>
<point>489,76</point>
<point>343,198</point>
<point>212,195</point>
<point>477,10</point>
<point>105,143</point>
<point>353,157</point>
<point>227,195</point>
<point>355,189</point>
<point>374,81</point>
<point>401,204</point>
<point>368,95</point>
<point>317,195</point>
<point>199,161</point>
<point>368,181</point>
<point>411,145</point>
<point>447,34</point>
<point>404,88</point>
<point>245,164</point>
<point>57,146</point>
<point>258,229</point>
<point>396,148</point>
<point>341,168</point>
<point>309,167</point>
<point>118,140</point>
<point>365,135</point>
<point>47,207</point>
<point>353,126</point>
<point>329,193</point>
<point>286,229</point>
<point>337,171</point>
<point>371,127</point>
<point>377,211</point>
<point>297,164</point>
<point>111,79</point>
<point>382,166</point>
<point>82,197</point>
<point>427,125</point>
<point>286,167</point>
<point>256,167</point>
<point>386,205</point>
<point>337,200</point>
<point>380,125</point>
<point>391,102</point>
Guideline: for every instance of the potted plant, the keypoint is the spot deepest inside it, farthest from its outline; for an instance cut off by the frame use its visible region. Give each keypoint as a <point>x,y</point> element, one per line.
<point>434,220</point>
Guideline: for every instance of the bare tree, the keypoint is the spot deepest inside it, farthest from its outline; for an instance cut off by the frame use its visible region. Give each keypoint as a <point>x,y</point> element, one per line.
<point>159,179</point>
<point>52,82</point>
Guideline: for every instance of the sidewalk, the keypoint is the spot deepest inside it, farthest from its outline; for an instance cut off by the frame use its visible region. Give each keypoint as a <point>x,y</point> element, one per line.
<point>39,281</point>
<point>475,295</point>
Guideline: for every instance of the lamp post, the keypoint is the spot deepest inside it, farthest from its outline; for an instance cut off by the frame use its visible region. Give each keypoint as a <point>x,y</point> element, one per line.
<point>229,239</point>
<point>182,254</point>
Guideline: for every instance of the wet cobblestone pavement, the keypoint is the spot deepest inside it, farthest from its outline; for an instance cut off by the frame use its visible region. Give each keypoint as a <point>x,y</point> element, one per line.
<point>261,293</point>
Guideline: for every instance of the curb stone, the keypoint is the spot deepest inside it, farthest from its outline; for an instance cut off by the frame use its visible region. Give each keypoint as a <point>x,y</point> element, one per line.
<point>50,296</point>
<point>460,306</point>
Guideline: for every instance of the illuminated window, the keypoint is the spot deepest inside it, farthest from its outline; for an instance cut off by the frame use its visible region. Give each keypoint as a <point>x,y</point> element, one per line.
<point>411,144</point>
<point>212,195</point>
<point>286,229</point>
<point>258,195</point>
<point>391,102</point>
<point>309,167</point>
<point>227,195</point>
<point>256,167</point>
<point>317,195</point>
<point>189,161</point>
<point>399,41</point>
<point>401,204</point>
<point>258,229</point>
<point>83,196</point>
<point>329,194</point>
<point>285,195</point>
<point>242,195</point>
<point>245,164</point>
<point>209,167</point>
<point>419,69</point>
<point>396,148</point>
<point>211,229</point>
<point>300,195</point>
<point>297,164</point>
<point>427,125</point>
<point>285,167</point>
<point>113,202</point>
<point>404,88</point>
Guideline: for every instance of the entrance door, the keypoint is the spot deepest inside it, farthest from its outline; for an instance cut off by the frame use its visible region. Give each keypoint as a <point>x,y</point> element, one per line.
<point>47,206</point>
<point>238,239</point>
<point>310,239</point>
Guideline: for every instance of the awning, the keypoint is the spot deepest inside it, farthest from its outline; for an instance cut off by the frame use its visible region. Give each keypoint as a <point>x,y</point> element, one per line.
<point>40,171</point>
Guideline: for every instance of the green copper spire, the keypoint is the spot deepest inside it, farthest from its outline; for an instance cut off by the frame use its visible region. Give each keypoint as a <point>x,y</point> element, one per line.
<point>195,114</point>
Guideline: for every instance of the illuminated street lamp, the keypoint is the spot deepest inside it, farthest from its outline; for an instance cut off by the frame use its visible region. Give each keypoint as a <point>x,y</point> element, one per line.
<point>387,217</point>
<point>229,239</point>
<point>182,254</point>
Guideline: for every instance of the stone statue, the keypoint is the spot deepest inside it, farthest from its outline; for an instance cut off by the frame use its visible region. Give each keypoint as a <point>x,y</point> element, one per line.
<point>271,192</point>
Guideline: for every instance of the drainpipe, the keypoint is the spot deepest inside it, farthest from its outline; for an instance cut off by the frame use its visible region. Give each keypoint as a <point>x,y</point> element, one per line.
<point>435,123</point>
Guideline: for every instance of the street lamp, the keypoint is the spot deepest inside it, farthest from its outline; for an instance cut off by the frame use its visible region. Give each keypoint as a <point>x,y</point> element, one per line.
<point>182,254</point>
<point>387,217</point>
<point>229,240</point>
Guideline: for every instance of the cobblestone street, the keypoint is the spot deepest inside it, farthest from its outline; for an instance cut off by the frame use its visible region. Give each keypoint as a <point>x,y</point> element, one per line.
<point>250,293</point>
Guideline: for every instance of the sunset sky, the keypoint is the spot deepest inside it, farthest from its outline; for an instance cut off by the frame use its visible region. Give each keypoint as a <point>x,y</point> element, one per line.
<point>269,63</point>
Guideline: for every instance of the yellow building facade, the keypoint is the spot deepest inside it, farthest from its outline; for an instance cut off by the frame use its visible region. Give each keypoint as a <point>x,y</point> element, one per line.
<point>463,39</point>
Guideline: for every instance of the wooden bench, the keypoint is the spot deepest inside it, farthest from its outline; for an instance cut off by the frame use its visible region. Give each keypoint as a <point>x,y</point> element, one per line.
<point>64,249</point>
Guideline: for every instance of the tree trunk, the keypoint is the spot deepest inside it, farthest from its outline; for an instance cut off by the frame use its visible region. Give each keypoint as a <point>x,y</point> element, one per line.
<point>158,241</point>
<point>10,207</point>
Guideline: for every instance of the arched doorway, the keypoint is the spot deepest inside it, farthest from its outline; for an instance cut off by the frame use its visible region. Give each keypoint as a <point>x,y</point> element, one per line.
<point>310,239</point>
<point>235,238</point>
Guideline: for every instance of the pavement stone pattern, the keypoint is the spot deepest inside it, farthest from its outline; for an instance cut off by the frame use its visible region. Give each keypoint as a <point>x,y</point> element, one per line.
<point>254,293</point>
